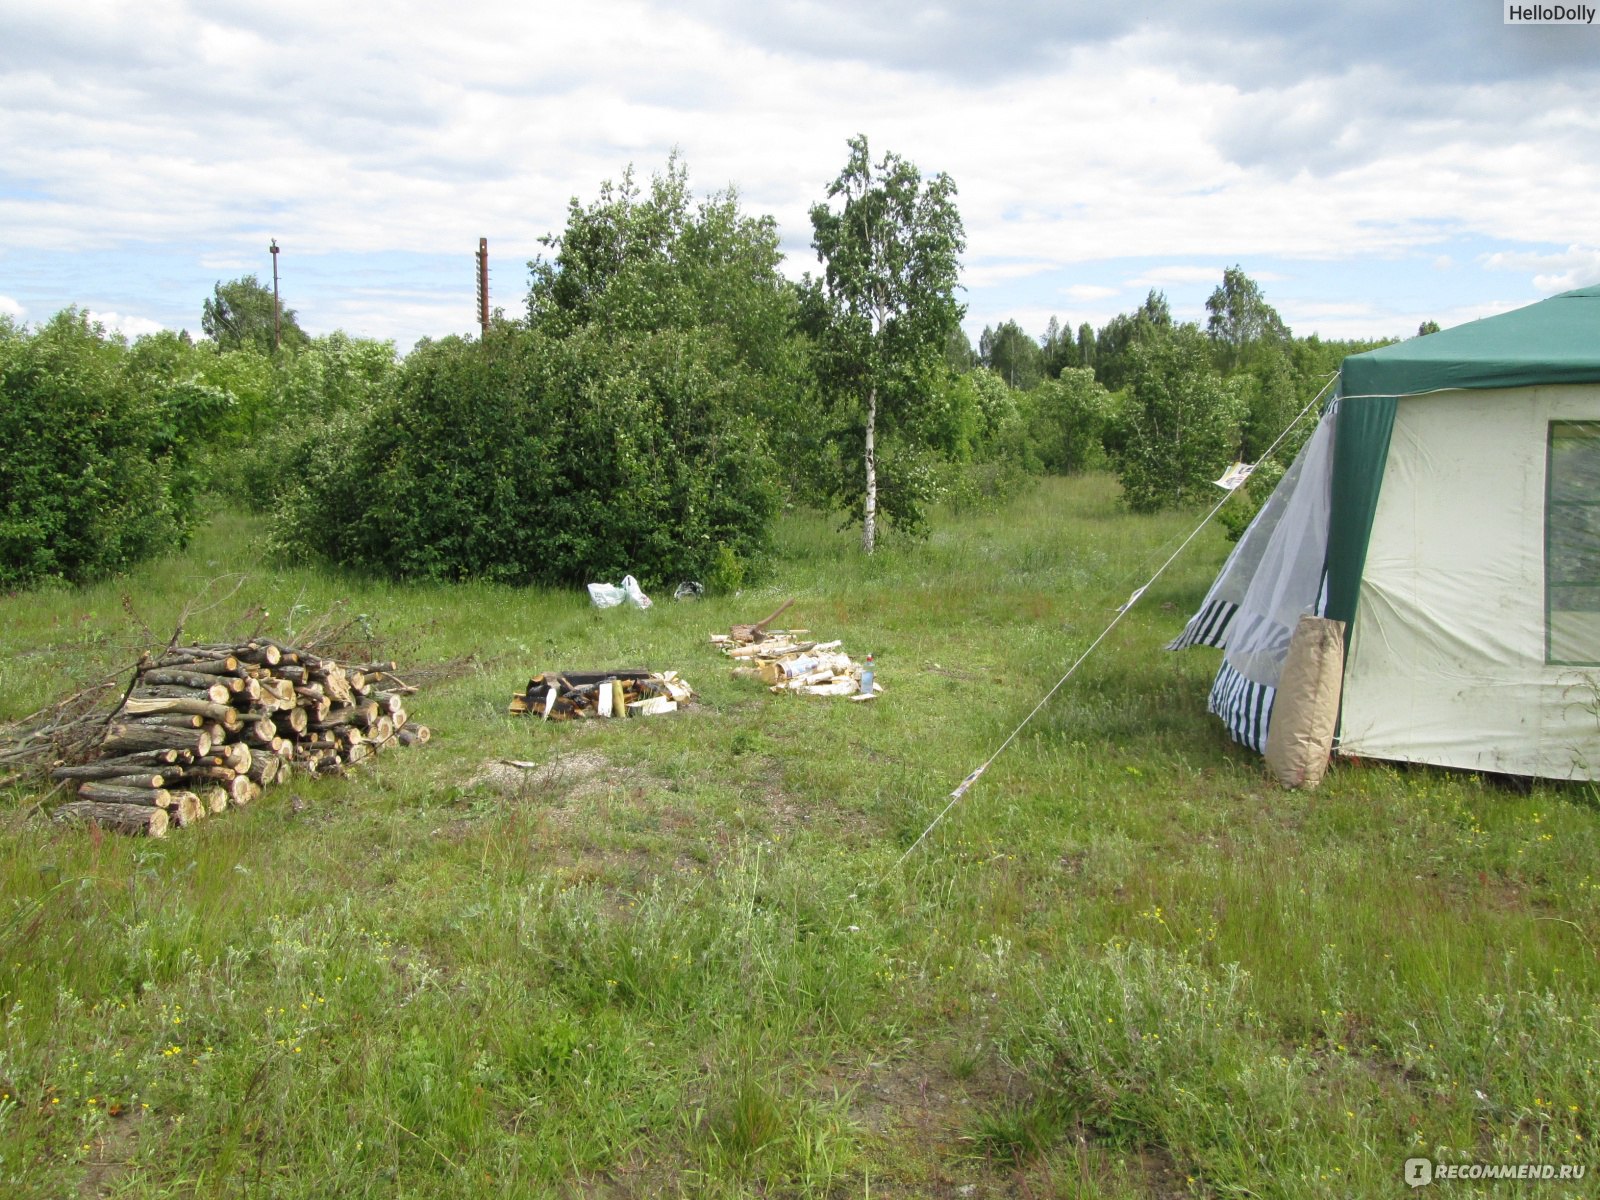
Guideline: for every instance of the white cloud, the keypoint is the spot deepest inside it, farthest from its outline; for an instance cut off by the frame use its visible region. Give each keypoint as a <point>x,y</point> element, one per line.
<point>1575,257</point>
<point>1077,133</point>
<point>11,308</point>
<point>1361,320</point>
<point>228,263</point>
<point>985,275</point>
<point>127,325</point>
<point>1160,277</point>
<point>1577,266</point>
<point>1089,292</point>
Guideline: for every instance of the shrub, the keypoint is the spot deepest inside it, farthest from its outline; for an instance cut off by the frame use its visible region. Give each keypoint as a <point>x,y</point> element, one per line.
<point>990,457</point>
<point>289,405</point>
<point>96,472</point>
<point>1067,420</point>
<point>1180,422</point>
<point>528,458</point>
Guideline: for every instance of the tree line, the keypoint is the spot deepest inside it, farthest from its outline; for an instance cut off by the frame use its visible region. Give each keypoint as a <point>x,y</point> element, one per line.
<point>662,393</point>
<point>1177,401</point>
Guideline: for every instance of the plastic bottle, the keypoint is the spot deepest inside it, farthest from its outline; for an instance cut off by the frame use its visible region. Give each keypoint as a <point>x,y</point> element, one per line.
<point>866,677</point>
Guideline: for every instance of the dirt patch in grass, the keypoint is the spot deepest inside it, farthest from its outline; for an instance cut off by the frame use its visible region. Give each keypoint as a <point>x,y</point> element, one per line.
<point>926,1112</point>
<point>567,774</point>
<point>113,1151</point>
<point>918,1096</point>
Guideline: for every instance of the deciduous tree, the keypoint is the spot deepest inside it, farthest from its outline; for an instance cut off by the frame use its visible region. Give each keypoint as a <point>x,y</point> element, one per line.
<point>1240,317</point>
<point>889,243</point>
<point>1013,355</point>
<point>238,315</point>
<point>1181,422</point>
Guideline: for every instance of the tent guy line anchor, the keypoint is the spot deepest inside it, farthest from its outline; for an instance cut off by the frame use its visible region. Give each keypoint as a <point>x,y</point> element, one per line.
<point>966,784</point>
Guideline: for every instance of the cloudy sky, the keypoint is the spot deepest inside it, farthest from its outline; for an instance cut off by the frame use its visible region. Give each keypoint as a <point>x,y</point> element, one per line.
<point>1371,164</point>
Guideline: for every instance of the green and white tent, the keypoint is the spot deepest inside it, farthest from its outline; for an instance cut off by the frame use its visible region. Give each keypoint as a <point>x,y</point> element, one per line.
<point>1447,508</point>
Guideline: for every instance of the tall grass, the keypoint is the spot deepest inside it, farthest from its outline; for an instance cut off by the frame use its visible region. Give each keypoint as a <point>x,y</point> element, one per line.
<point>679,962</point>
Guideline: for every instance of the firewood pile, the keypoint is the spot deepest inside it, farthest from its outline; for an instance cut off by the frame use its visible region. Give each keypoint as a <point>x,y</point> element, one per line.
<point>206,727</point>
<point>584,695</point>
<point>786,662</point>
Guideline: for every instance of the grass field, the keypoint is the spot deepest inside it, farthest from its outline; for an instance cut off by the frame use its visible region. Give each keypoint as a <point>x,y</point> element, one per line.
<point>679,958</point>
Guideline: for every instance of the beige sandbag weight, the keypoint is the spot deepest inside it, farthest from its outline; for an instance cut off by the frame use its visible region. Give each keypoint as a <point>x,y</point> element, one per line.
<point>1305,710</point>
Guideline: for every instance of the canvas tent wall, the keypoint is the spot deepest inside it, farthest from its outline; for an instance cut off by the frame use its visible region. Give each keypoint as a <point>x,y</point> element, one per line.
<point>1448,509</point>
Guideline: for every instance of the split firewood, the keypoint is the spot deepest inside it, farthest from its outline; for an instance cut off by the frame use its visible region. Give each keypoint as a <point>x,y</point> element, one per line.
<point>584,695</point>
<point>787,665</point>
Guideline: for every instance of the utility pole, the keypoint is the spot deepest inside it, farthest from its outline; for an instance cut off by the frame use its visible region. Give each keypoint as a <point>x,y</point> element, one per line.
<point>483,284</point>
<point>277,326</point>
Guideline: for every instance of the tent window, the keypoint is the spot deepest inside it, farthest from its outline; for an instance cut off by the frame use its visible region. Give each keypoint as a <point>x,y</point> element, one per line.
<point>1572,544</point>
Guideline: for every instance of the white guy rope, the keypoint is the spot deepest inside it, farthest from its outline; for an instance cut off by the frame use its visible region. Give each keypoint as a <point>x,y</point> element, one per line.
<point>965,784</point>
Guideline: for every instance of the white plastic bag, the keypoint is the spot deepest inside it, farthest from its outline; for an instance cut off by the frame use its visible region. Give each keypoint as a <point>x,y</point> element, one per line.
<point>636,596</point>
<point>609,595</point>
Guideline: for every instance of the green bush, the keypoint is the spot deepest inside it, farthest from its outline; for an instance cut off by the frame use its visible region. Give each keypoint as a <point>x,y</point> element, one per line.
<point>983,432</point>
<point>289,405</point>
<point>98,465</point>
<point>1067,419</point>
<point>1179,422</point>
<point>528,458</point>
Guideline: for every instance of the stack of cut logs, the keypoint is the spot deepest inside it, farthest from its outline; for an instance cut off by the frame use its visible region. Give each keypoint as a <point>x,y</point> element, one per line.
<point>204,727</point>
<point>564,695</point>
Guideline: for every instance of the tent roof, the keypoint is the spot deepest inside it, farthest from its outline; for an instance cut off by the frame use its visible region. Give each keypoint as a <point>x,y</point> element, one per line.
<point>1554,341</point>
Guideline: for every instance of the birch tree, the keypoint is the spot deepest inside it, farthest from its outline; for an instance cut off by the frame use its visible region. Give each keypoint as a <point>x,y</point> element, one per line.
<point>889,244</point>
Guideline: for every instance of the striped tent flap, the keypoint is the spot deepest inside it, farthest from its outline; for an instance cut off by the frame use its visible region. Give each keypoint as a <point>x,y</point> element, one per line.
<point>1244,706</point>
<point>1206,627</point>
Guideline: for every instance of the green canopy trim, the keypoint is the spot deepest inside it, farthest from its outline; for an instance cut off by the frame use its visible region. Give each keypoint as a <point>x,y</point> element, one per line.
<point>1554,341</point>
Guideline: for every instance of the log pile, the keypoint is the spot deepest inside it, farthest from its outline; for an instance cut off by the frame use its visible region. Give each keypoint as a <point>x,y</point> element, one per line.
<point>584,695</point>
<point>203,728</point>
<point>787,663</point>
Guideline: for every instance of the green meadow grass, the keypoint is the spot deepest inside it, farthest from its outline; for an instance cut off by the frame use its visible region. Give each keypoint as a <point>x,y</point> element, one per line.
<point>680,958</point>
